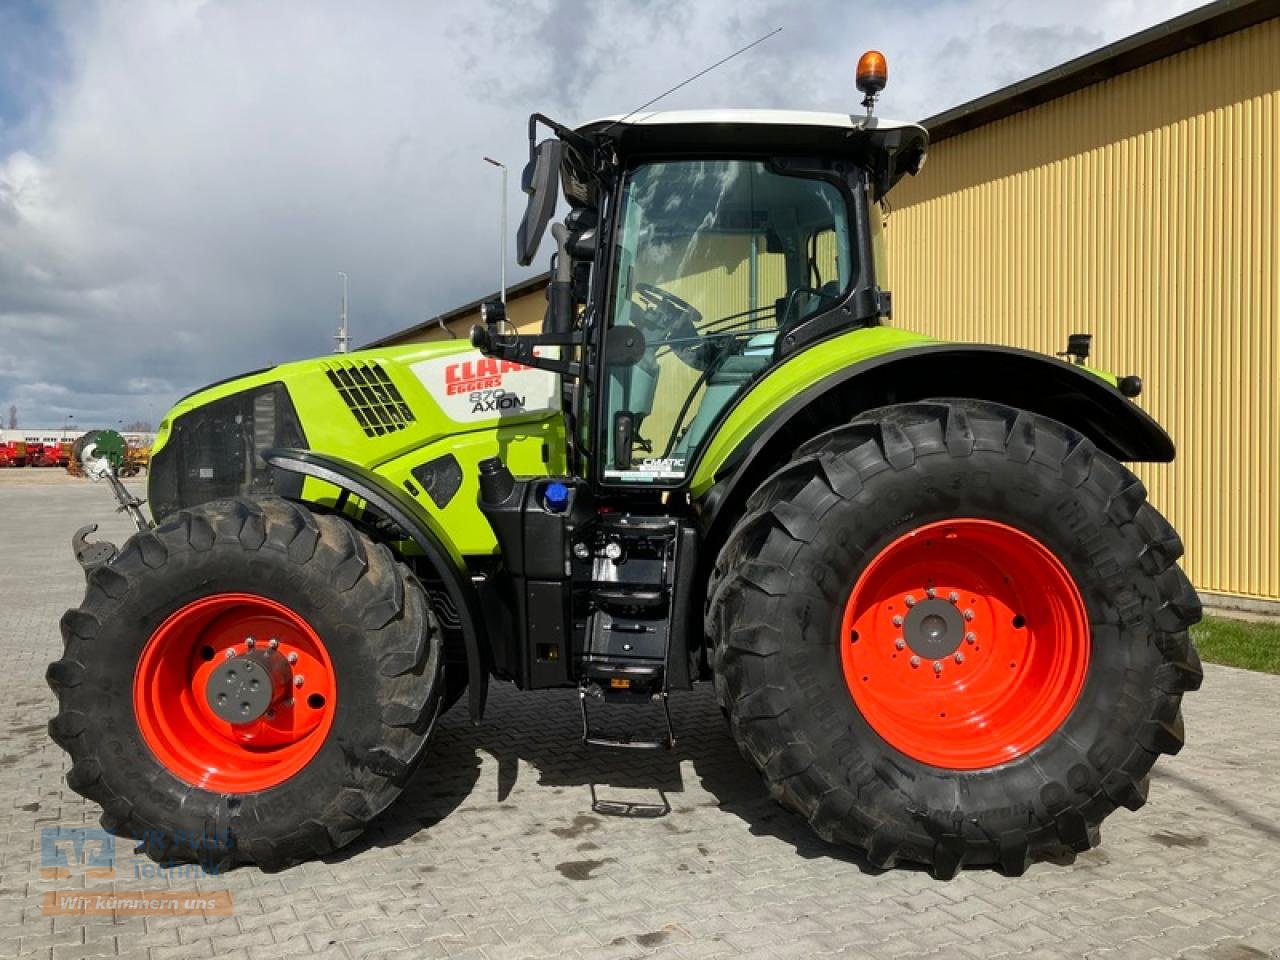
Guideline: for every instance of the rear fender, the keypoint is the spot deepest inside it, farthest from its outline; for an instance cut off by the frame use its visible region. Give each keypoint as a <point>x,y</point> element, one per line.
<point>1070,394</point>
<point>395,504</point>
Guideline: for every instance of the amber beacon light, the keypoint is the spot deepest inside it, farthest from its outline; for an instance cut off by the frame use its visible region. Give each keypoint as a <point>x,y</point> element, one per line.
<point>872,75</point>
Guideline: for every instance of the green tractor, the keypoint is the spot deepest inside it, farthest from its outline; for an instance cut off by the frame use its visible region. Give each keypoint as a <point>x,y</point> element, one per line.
<point>939,614</point>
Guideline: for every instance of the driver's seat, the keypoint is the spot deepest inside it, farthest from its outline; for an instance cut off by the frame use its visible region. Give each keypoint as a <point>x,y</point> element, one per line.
<point>723,385</point>
<point>805,305</point>
<point>737,371</point>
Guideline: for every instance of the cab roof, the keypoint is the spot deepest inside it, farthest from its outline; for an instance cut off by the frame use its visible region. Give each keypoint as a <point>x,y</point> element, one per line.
<point>748,117</point>
<point>891,148</point>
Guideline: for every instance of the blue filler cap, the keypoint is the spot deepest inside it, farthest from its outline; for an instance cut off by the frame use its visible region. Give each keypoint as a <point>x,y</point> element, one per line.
<point>556,496</point>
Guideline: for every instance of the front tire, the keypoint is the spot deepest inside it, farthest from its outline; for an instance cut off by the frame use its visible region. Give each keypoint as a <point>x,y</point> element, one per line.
<point>328,617</point>
<point>990,639</point>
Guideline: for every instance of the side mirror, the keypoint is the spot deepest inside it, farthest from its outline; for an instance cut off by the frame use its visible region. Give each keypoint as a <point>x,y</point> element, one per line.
<point>541,182</point>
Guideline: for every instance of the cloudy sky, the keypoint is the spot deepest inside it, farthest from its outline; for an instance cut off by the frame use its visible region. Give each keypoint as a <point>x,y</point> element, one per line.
<point>181,181</point>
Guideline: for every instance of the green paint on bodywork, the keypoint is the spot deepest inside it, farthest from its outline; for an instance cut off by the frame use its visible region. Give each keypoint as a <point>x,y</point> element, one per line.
<point>799,373</point>
<point>788,379</point>
<point>532,444</point>
<point>521,449</point>
<point>1111,378</point>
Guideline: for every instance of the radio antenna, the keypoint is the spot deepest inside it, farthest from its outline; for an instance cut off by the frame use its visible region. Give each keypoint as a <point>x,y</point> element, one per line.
<point>685,83</point>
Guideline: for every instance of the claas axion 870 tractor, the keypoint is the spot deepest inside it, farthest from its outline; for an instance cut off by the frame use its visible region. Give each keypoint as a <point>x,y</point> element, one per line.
<point>938,613</point>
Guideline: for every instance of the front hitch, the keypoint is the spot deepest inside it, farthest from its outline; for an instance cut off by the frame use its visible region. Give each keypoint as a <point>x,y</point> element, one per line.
<point>101,454</point>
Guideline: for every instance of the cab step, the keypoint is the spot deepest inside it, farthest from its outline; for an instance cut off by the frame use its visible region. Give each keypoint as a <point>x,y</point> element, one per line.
<point>631,687</point>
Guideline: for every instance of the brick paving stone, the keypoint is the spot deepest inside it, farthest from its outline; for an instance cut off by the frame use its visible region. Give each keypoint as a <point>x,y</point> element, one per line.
<point>494,853</point>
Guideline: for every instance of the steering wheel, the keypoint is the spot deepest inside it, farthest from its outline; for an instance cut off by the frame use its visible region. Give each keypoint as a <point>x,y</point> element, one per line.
<point>670,318</point>
<point>677,311</point>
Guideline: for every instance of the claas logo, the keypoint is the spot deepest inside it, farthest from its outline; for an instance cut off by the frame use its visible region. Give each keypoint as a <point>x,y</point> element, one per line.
<point>483,374</point>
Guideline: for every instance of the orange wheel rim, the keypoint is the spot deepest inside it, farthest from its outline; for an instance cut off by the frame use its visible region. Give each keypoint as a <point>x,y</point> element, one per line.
<point>965,643</point>
<point>218,645</point>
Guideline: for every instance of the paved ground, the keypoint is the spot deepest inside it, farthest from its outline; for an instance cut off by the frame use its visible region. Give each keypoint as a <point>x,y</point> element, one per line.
<point>495,852</point>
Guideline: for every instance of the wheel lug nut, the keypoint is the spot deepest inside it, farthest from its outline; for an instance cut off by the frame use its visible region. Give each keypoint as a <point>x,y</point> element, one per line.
<point>273,643</point>
<point>915,661</point>
<point>970,637</point>
<point>250,642</point>
<point>293,658</point>
<point>230,653</point>
<point>909,600</point>
<point>931,593</point>
<point>900,643</point>
<point>953,597</point>
<point>937,667</point>
<point>959,658</point>
<point>297,681</point>
<point>897,621</point>
<point>968,614</point>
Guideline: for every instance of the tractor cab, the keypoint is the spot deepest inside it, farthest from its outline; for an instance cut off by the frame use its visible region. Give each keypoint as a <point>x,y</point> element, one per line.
<point>700,249</point>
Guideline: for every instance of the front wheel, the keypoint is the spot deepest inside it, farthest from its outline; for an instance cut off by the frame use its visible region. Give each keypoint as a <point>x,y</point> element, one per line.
<point>992,641</point>
<point>248,683</point>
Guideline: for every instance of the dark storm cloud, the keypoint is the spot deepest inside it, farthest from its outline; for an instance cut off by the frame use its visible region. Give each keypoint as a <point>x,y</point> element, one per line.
<point>190,176</point>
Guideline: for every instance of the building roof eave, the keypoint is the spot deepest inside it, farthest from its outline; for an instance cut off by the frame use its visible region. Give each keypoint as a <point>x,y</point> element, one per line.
<point>433,323</point>
<point>1156,43</point>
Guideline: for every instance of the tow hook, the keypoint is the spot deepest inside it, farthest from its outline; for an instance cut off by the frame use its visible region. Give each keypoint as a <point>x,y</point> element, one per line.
<point>92,555</point>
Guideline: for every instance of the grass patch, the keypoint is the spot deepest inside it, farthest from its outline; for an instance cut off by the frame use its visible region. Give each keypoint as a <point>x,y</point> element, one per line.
<point>1239,643</point>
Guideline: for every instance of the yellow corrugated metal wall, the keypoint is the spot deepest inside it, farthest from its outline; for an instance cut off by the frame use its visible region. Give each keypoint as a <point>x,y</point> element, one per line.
<point>1145,210</point>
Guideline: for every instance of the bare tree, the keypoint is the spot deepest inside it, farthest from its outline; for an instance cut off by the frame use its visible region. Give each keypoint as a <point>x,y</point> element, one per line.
<point>139,426</point>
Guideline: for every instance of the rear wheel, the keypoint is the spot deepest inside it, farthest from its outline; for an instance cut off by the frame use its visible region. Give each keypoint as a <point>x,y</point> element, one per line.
<point>992,643</point>
<point>247,683</point>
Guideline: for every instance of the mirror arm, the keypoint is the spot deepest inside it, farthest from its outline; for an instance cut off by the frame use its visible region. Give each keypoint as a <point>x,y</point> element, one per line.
<point>581,144</point>
<point>519,349</point>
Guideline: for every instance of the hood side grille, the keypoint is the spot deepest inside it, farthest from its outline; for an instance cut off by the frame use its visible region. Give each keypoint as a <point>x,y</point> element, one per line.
<point>371,396</point>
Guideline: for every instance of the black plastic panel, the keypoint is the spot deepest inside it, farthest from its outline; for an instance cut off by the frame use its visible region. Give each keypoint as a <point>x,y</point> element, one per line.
<point>440,478</point>
<point>215,450</point>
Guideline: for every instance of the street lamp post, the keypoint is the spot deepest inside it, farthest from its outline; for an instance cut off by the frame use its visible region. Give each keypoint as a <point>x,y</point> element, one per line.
<point>343,338</point>
<point>502,236</point>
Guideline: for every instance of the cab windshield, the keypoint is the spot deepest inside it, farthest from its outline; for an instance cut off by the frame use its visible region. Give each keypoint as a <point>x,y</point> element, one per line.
<point>715,259</point>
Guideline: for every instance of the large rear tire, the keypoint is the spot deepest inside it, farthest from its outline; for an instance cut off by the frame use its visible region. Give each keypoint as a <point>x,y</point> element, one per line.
<point>341,635</point>
<point>953,633</point>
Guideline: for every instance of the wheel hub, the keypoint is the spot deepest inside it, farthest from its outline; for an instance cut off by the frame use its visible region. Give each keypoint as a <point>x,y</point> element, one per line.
<point>934,629</point>
<point>965,643</point>
<point>222,710</point>
<point>241,690</point>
